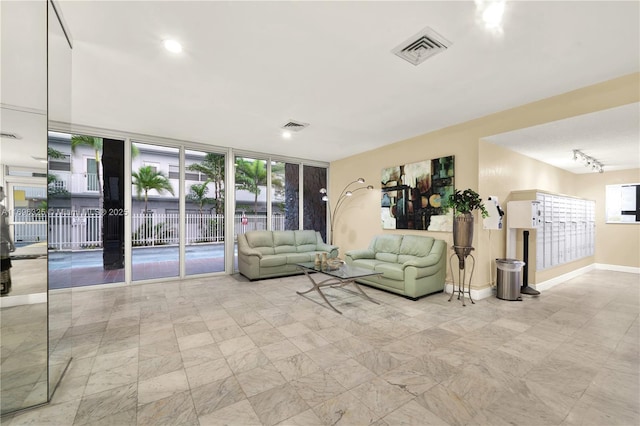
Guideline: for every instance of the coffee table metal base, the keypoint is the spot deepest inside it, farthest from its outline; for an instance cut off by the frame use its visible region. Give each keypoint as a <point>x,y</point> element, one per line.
<point>333,282</point>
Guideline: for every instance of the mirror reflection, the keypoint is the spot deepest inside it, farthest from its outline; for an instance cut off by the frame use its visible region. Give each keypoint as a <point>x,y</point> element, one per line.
<point>23,231</point>
<point>59,113</point>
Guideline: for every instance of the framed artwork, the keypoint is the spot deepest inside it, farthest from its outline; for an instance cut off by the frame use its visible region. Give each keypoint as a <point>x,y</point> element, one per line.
<point>412,195</point>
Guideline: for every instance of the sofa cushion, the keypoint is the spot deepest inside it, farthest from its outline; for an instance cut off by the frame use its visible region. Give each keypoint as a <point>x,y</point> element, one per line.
<point>273,260</point>
<point>300,257</point>
<point>387,257</point>
<point>261,241</point>
<point>393,271</point>
<point>414,246</point>
<point>365,263</point>
<point>387,244</point>
<point>306,241</point>
<point>284,242</point>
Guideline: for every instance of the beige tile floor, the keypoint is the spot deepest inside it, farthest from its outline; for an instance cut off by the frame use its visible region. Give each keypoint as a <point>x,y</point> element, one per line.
<point>222,350</point>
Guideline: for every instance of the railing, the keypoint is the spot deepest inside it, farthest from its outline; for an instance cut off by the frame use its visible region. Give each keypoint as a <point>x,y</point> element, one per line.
<point>92,182</point>
<point>69,231</point>
<point>29,226</point>
<point>74,231</point>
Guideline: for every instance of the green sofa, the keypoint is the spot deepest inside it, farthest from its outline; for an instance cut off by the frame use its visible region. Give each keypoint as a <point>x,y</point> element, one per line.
<point>266,254</point>
<point>411,265</point>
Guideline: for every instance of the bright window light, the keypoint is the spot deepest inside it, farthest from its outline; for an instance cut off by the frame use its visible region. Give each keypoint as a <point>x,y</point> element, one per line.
<point>172,46</point>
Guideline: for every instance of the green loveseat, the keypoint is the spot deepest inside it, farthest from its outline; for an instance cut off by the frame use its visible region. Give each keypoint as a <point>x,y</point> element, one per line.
<point>411,265</point>
<point>265,254</point>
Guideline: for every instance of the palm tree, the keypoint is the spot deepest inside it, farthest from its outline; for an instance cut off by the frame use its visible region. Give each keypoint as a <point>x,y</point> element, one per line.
<point>213,168</point>
<point>54,153</point>
<point>146,179</point>
<point>252,174</point>
<point>198,194</point>
<point>52,189</point>
<point>96,145</point>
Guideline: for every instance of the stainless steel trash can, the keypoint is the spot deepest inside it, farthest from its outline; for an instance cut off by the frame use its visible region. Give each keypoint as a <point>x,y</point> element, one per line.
<point>509,279</point>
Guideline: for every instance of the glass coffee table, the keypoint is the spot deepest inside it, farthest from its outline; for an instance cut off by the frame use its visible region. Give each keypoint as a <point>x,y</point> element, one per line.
<point>338,277</point>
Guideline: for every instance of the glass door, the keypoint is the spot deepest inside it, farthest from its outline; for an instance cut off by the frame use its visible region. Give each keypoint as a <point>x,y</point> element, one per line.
<point>155,212</point>
<point>86,210</point>
<point>204,181</point>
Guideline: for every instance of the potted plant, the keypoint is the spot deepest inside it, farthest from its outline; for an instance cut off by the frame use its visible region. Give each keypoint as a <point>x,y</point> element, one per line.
<point>463,204</point>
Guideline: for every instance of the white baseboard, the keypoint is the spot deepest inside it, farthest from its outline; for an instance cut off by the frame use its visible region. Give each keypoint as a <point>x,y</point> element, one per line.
<point>475,294</point>
<point>618,268</point>
<point>23,299</point>
<point>546,285</point>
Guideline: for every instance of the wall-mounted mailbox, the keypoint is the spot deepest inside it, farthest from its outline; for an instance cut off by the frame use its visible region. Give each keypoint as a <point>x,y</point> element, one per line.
<point>524,214</point>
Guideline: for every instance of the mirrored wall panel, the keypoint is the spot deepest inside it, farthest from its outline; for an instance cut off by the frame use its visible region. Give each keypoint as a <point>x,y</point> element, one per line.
<point>59,113</point>
<point>23,242</point>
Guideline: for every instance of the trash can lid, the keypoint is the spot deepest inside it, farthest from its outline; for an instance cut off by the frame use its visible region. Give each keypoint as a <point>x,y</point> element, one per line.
<point>510,262</point>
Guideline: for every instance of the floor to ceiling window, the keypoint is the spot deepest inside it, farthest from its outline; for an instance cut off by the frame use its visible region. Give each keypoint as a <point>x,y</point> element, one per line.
<point>204,181</point>
<point>278,208</point>
<point>285,186</point>
<point>155,212</point>
<point>85,210</point>
<point>251,194</point>
<point>315,210</point>
<point>177,200</point>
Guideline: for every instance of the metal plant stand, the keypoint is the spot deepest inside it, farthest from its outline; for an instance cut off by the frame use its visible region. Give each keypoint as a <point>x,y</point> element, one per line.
<point>462,253</point>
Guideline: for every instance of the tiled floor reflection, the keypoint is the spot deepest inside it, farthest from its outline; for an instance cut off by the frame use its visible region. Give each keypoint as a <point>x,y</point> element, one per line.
<point>223,350</point>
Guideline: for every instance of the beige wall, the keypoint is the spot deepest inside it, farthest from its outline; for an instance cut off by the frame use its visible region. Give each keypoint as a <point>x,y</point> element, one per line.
<point>478,165</point>
<point>503,173</point>
<point>616,244</point>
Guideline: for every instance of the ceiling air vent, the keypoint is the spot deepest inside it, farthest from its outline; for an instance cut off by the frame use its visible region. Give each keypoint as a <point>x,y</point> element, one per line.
<point>294,126</point>
<point>422,46</point>
<point>9,135</point>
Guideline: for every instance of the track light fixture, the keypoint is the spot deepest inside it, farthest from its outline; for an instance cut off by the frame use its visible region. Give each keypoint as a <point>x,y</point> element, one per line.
<point>588,161</point>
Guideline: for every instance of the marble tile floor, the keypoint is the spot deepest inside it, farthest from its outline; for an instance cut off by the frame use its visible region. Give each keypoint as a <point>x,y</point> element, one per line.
<point>224,351</point>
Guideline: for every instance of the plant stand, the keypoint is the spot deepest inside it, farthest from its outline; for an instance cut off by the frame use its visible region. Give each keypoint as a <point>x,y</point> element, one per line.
<point>462,253</point>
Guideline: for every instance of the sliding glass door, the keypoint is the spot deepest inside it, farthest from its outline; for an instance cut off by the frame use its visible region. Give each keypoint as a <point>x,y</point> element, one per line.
<point>85,210</point>
<point>204,181</point>
<point>155,212</point>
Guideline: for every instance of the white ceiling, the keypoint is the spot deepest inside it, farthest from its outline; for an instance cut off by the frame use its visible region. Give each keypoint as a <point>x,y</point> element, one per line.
<point>610,136</point>
<point>249,67</point>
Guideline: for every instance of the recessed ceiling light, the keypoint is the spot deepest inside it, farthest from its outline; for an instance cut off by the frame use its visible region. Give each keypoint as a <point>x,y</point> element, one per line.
<point>286,134</point>
<point>172,46</point>
<point>492,15</point>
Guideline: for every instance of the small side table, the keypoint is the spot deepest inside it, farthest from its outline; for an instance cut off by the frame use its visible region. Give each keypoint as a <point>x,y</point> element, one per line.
<point>462,253</point>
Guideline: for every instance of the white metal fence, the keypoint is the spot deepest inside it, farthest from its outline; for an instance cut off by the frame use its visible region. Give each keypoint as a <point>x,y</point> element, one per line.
<point>69,231</point>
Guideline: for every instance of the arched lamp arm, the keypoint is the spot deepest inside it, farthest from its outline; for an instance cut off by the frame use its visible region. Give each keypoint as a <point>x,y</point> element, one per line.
<point>344,197</point>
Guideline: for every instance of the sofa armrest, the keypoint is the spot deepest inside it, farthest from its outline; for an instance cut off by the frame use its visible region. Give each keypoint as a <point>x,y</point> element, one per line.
<point>360,254</point>
<point>244,248</point>
<point>246,251</point>
<point>423,262</point>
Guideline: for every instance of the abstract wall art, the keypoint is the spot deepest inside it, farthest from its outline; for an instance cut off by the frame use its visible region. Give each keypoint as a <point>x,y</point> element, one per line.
<point>412,195</point>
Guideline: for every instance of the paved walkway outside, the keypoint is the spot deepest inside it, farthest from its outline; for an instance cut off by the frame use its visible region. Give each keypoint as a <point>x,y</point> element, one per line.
<point>81,268</point>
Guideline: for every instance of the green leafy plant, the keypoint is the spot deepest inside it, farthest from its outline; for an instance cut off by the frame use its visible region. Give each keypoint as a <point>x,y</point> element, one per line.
<point>148,178</point>
<point>465,202</point>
